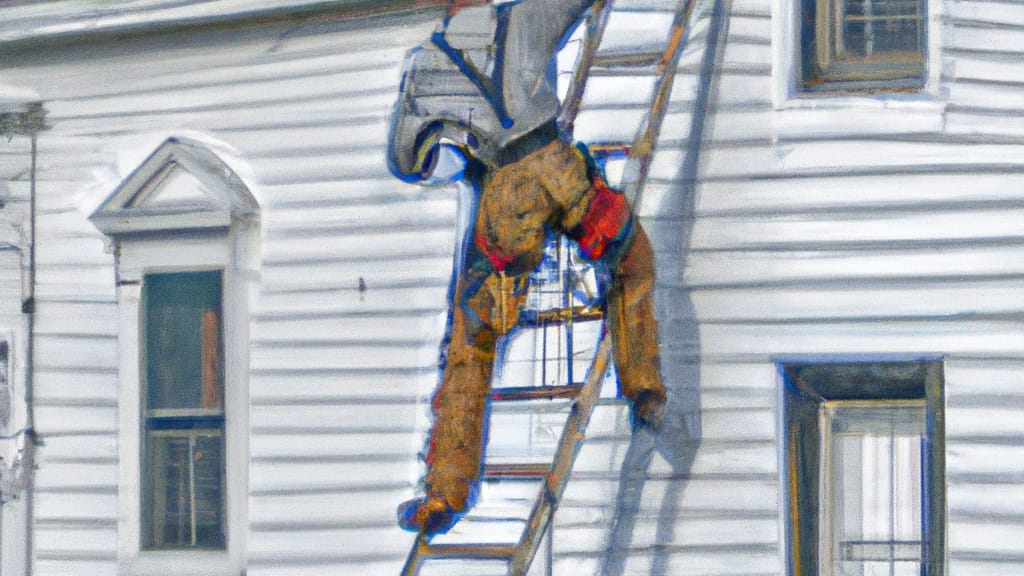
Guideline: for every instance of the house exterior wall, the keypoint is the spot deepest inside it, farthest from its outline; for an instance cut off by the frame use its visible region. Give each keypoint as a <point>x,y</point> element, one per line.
<point>814,228</point>
<point>830,228</point>
<point>337,376</point>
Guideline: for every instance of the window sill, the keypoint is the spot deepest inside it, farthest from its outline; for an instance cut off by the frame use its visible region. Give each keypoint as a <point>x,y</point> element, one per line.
<point>859,114</point>
<point>181,563</point>
<point>918,100</point>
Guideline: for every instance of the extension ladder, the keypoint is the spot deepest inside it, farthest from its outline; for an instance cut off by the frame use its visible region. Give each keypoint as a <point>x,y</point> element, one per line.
<point>597,56</point>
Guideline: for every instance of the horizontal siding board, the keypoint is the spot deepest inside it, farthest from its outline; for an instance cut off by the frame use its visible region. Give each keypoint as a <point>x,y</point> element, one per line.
<point>357,332</point>
<point>367,217</point>
<point>93,447</point>
<point>88,353</point>
<point>986,67</point>
<point>75,420</point>
<point>229,93</point>
<point>1008,39</point>
<point>314,446</point>
<point>311,478</point>
<point>57,507</point>
<point>585,496</point>
<point>279,548</point>
<point>961,226</point>
<point>918,300</point>
<point>371,244</point>
<point>851,268</point>
<point>347,300</point>
<point>993,339</point>
<point>695,532</point>
<point>840,156</point>
<point>59,477</point>
<point>339,508</point>
<point>53,539</point>
<point>340,388</point>
<point>997,461</point>
<point>70,566</point>
<point>980,422</point>
<point>427,272</point>
<point>1003,97</point>
<point>1000,13</point>
<point>358,416</point>
<point>984,538</point>
<point>848,193</point>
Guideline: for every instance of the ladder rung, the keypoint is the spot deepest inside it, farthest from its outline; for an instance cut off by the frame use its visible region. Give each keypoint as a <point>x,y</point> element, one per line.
<point>481,551</point>
<point>629,59</point>
<point>558,315</point>
<point>514,393</point>
<point>517,470</point>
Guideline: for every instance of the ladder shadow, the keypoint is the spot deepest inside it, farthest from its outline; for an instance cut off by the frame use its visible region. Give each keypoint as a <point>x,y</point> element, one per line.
<point>679,438</point>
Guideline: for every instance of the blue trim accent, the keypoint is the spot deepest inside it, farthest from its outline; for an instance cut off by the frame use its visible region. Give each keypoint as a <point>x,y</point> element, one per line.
<point>500,38</point>
<point>185,422</point>
<point>490,89</point>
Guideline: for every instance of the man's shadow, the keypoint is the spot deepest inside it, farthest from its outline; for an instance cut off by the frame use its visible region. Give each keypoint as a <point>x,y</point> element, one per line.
<point>679,438</point>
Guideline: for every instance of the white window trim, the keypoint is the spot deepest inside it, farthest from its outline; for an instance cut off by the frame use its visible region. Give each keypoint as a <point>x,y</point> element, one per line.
<point>157,241</point>
<point>137,258</point>
<point>786,57</point>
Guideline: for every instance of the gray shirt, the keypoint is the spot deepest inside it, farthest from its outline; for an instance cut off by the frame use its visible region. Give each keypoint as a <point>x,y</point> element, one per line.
<point>482,80</point>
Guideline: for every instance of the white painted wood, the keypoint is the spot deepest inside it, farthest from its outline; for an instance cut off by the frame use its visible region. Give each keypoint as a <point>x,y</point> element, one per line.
<point>856,225</point>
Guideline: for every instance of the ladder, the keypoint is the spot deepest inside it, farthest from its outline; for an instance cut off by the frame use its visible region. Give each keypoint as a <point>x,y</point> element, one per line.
<point>596,57</point>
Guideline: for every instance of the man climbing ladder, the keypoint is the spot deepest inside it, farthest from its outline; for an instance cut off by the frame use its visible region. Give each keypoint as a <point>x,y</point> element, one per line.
<point>481,87</point>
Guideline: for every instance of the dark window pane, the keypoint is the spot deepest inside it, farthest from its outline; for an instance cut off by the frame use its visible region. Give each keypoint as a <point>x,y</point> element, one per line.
<point>183,340</point>
<point>866,38</point>
<point>186,489</point>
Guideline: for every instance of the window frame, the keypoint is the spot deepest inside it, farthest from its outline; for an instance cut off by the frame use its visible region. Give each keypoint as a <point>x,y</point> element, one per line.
<point>787,75</point>
<point>212,224</point>
<point>216,419</point>
<point>808,391</point>
<point>823,70</point>
<point>188,252</point>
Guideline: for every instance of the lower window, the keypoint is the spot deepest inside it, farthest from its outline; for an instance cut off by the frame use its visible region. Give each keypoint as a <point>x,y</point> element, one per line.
<point>865,455</point>
<point>183,443</point>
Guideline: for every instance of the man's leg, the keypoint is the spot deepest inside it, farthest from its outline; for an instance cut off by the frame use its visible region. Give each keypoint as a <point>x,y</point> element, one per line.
<point>487,307</point>
<point>602,222</point>
<point>634,329</point>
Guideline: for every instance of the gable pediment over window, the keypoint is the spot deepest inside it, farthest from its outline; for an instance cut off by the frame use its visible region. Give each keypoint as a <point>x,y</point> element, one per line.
<point>186,230</point>
<point>181,186</point>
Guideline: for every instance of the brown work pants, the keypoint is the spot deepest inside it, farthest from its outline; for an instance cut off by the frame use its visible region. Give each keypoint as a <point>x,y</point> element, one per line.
<point>548,189</point>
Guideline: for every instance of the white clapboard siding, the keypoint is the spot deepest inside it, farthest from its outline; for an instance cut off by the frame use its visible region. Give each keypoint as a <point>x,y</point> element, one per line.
<point>867,228</point>
<point>863,227</point>
<point>333,412</point>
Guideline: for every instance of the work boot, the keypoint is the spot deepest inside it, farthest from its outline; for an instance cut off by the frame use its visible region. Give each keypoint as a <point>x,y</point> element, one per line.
<point>428,515</point>
<point>649,408</point>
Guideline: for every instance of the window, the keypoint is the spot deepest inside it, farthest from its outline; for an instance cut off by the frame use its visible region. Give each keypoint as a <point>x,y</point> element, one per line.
<point>863,44</point>
<point>184,414</point>
<point>184,228</point>
<point>865,466</point>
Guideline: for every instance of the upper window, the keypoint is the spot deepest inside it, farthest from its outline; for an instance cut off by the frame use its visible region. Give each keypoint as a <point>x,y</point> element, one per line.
<point>863,44</point>
<point>865,461</point>
<point>184,228</point>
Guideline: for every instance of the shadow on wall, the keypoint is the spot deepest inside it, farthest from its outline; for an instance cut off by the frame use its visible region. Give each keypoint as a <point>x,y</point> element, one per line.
<point>679,439</point>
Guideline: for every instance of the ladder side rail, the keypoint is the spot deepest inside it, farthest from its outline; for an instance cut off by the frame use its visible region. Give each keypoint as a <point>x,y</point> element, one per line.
<point>569,446</point>
<point>416,554</point>
<point>641,152</point>
<point>597,20</point>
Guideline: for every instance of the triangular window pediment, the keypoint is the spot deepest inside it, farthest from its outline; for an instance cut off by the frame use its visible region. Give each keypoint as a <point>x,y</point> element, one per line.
<point>180,186</point>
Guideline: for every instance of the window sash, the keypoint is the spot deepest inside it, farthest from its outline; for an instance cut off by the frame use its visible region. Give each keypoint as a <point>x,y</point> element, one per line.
<point>183,444</point>
<point>872,485</point>
<point>886,59</point>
